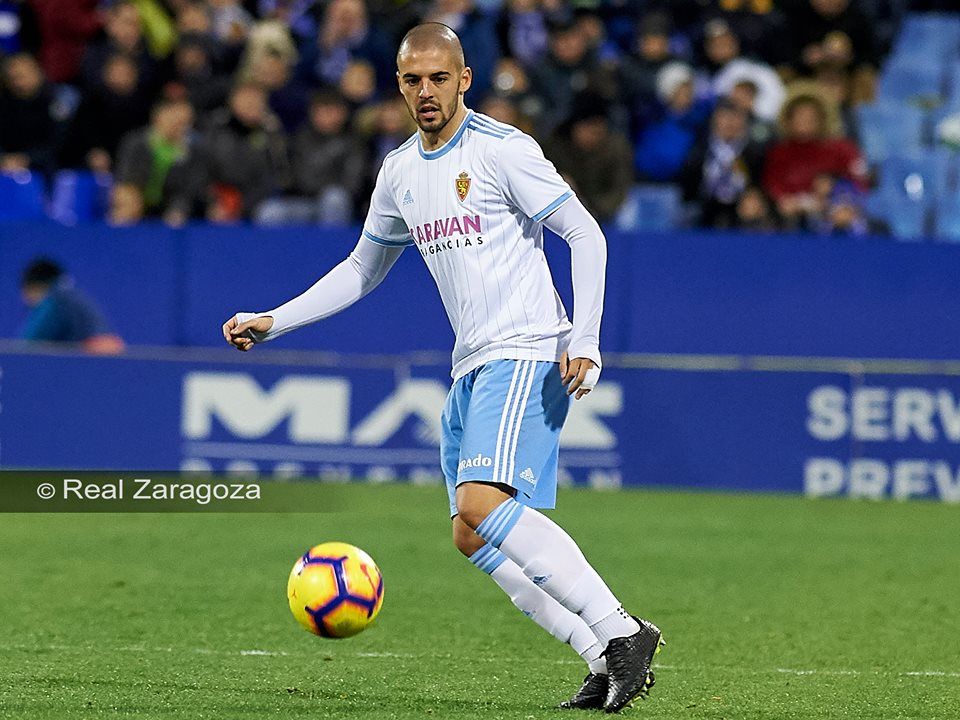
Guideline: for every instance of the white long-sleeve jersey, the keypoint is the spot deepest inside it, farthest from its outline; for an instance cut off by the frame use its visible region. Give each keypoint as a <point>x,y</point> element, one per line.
<point>475,210</point>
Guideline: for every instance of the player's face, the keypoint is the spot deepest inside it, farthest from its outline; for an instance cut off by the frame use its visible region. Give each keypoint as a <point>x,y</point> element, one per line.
<point>432,84</point>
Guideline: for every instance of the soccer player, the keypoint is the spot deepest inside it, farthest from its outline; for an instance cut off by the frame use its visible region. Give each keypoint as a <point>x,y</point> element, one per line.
<point>472,195</point>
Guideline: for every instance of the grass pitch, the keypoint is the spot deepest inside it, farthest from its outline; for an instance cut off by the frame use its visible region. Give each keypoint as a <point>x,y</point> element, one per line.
<point>772,607</point>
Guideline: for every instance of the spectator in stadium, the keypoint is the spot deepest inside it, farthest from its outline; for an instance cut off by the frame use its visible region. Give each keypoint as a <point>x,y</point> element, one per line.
<point>346,34</point>
<point>744,95</point>
<point>753,212</point>
<point>720,46</point>
<point>637,77</point>
<point>59,312</point>
<point>523,31</point>
<point>663,145</point>
<point>758,24</point>
<point>836,32</point>
<point>300,16</point>
<point>31,122</point>
<point>592,157</point>
<point>833,34</point>
<point>195,77</point>
<point>245,153</point>
<point>478,35</point>
<point>66,26</point>
<point>123,35</point>
<point>327,168</point>
<point>389,126</point>
<point>159,169</point>
<point>286,95</point>
<point>118,104</point>
<point>504,109</point>
<point>805,153</point>
<point>569,67</point>
<point>230,21</point>
<point>842,212</point>
<point>511,83</point>
<point>606,49</point>
<point>358,84</point>
<point>727,68</point>
<point>721,166</point>
<point>834,85</point>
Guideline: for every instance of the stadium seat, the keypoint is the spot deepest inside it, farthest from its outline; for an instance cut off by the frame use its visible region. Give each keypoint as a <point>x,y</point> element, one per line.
<point>906,218</point>
<point>927,36</point>
<point>952,99</point>
<point>922,177</point>
<point>887,129</point>
<point>919,82</point>
<point>653,208</point>
<point>947,221</point>
<point>79,196</point>
<point>22,196</point>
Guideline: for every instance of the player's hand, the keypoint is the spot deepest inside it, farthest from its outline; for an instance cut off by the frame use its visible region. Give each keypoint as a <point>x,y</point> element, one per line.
<point>574,373</point>
<point>236,332</point>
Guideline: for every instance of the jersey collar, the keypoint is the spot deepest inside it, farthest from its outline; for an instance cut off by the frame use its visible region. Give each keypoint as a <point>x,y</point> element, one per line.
<point>448,145</point>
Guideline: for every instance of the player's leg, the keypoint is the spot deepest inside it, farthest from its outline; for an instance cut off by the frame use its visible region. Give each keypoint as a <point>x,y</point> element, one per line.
<point>547,555</point>
<point>540,548</point>
<point>533,602</point>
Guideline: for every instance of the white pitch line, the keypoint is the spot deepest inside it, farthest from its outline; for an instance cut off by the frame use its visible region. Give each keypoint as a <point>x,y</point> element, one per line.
<point>425,656</point>
<point>792,671</point>
<point>266,653</point>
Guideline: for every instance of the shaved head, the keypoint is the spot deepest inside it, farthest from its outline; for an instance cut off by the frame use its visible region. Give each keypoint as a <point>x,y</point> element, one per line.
<point>432,36</point>
<point>433,78</point>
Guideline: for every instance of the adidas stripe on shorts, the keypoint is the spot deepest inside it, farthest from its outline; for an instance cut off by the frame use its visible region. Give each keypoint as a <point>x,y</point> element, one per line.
<point>501,423</point>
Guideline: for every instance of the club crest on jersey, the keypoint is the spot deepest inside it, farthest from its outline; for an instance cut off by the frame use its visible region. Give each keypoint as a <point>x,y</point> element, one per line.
<point>462,184</point>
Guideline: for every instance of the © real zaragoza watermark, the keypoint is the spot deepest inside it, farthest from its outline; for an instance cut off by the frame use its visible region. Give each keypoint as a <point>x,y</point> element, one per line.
<point>64,491</point>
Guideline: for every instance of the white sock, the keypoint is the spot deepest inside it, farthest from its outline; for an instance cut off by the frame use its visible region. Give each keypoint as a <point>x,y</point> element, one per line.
<point>540,607</point>
<point>552,560</point>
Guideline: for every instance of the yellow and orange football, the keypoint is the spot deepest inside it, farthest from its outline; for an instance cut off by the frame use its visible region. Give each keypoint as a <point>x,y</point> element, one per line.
<point>335,590</point>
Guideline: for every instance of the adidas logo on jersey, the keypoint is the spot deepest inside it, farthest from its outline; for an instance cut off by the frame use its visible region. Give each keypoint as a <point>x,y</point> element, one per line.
<point>407,198</point>
<point>527,475</point>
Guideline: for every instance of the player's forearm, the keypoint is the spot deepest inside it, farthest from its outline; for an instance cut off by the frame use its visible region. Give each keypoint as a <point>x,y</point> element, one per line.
<point>588,259</point>
<point>349,281</point>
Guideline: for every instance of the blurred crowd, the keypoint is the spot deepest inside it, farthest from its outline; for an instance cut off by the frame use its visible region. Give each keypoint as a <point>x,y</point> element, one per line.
<point>281,111</point>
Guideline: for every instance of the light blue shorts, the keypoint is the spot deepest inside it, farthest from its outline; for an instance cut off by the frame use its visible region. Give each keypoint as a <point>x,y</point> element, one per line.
<point>501,423</point>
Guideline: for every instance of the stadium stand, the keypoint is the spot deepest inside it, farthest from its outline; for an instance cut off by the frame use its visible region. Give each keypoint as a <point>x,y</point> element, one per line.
<point>887,76</point>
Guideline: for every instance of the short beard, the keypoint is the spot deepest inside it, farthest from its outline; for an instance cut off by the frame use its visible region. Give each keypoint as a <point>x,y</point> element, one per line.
<point>444,119</point>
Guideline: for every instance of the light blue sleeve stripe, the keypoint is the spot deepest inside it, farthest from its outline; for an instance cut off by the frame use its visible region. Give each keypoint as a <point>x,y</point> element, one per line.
<point>552,206</point>
<point>384,241</point>
<point>477,128</point>
<point>477,122</point>
<point>493,124</point>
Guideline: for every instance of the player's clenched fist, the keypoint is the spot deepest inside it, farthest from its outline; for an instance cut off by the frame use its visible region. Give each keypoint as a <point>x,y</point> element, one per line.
<point>238,330</point>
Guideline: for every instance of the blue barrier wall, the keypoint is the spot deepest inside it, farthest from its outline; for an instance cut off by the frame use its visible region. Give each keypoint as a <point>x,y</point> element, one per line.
<point>679,293</point>
<point>823,428</point>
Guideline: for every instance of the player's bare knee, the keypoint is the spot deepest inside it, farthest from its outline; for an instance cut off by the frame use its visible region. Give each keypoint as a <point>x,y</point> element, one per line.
<point>466,540</point>
<point>471,514</point>
<point>476,500</point>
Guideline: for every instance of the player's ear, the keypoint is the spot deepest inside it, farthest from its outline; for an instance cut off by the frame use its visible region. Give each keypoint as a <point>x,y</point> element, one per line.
<point>466,79</point>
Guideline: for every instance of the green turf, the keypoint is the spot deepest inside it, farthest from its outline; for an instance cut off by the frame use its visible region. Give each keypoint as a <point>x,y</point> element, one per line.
<point>773,607</point>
